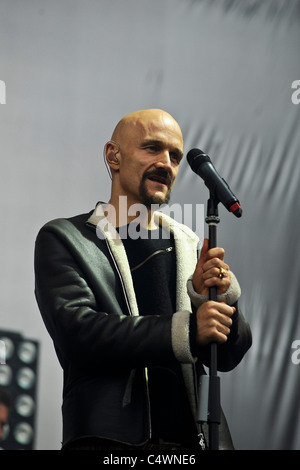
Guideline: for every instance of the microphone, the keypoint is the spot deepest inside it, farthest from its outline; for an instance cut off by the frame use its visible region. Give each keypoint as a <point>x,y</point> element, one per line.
<point>201,164</point>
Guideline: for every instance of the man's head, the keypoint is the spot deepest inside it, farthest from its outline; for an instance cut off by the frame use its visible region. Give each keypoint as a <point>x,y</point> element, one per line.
<point>5,406</point>
<point>144,155</point>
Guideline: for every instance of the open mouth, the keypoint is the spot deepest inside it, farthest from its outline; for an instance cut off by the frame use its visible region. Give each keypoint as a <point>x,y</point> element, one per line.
<point>161,178</point>
<point>158,179</point>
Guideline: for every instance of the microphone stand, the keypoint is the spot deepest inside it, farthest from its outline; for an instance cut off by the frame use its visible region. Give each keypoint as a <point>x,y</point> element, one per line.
<point>209,409</point>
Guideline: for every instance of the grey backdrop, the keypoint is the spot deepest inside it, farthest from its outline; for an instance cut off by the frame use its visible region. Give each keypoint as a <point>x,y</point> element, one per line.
<point>224,69</point>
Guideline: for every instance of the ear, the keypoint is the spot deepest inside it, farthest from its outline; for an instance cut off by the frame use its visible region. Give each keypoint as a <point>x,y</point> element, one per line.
<point>111,150</point>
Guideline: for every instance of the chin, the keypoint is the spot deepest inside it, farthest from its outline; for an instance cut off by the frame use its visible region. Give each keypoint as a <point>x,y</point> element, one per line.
<point>152,199</point>
<point>149,198</point>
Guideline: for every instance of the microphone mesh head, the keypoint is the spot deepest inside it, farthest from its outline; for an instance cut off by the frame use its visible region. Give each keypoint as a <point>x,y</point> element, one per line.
<point>196,157</point>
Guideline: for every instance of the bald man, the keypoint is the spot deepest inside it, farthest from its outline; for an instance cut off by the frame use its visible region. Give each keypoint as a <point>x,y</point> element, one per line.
<point>123,295</point>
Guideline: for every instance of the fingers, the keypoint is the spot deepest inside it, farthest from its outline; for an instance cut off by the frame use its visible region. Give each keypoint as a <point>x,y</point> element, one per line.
<point>207,272</point>
<point>216,252</point>
<point>214,261</point>
<point>212,268</point>
<point>211,275</point>
<point>213,322</point>
<point>207,253</point>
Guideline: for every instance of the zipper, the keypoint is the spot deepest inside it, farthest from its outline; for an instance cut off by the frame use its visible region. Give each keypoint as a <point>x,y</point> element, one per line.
<point>201,436</point>
<point>166,250</point>
<point>148,401</point>
<point>201,441</point>
<point>120,276</point>
<point>130,312</point>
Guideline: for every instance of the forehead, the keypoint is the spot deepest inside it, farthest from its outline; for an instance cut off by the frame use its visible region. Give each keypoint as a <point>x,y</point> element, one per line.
<point>163,129</point>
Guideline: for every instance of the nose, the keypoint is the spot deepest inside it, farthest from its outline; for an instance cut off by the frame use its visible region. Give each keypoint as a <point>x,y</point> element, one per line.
<point>164,161</point>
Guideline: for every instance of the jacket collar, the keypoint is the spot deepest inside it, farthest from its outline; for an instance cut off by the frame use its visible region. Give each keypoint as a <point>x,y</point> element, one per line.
<point>186,244</point>
<point>99,221</point>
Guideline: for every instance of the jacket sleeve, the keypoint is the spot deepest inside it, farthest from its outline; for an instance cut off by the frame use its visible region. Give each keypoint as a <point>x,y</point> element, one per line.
<point>84,316</point>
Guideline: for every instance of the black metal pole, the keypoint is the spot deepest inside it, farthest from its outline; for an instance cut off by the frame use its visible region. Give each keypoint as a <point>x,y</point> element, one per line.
<point>214,408</point>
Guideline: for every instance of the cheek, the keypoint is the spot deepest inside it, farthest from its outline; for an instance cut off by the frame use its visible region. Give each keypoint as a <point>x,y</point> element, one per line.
<point>130,177</point>
<point>175,173</point>
<point>133,167</point>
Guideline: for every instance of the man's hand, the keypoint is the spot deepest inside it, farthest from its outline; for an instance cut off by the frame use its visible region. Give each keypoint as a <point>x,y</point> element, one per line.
<point>213,318</point>
<point>209,266</point>
<point>213,322</point>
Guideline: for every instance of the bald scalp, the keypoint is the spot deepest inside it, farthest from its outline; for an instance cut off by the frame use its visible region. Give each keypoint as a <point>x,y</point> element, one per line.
<point>138,121</point>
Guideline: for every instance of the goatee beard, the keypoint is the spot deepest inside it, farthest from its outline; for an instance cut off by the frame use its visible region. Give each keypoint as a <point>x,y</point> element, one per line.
<point>147,199</point>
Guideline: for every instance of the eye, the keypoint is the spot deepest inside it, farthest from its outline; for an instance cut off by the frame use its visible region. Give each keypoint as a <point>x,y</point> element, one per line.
<point>175,157</point>
<point>152,148</point>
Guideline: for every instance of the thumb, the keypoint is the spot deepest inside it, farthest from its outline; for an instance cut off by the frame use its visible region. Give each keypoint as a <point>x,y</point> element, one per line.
<point>203,253</point>
<point>198,273</point>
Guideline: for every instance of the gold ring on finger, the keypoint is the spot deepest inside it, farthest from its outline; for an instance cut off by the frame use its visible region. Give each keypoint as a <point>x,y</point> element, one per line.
<point>222,273</point>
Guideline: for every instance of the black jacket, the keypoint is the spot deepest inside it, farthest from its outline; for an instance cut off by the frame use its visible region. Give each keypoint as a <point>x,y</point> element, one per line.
<point>85,294</point>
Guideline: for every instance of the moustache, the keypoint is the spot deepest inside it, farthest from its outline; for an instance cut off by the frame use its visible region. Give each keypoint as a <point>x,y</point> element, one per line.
<point>160,175</point>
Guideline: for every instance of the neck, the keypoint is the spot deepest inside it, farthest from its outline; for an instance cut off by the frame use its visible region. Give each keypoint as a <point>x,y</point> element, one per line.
<point>120,211</point>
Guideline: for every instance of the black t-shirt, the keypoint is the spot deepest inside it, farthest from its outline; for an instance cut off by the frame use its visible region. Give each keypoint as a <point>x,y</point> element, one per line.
<point>152,260</point>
